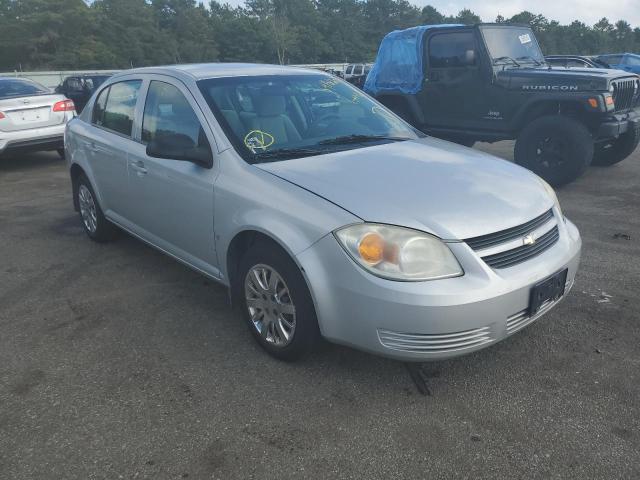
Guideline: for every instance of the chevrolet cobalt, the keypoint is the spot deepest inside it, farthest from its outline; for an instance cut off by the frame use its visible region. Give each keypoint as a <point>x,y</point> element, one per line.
<point>323,212</point>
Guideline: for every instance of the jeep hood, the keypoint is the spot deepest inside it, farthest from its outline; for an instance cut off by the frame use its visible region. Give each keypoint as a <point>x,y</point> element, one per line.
<point>427,184</point>
<point>573,79</point>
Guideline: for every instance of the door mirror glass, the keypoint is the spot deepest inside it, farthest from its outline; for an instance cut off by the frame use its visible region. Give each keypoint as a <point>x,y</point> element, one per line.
<point>178,146</point>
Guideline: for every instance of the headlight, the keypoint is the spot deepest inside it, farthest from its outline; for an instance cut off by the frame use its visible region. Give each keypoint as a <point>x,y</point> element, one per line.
<point>612,88</point>
<point>398,253</point>
<point>552,194</point>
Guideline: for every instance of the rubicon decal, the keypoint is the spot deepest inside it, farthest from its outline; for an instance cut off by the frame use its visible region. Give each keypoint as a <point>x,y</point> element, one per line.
<point>556,88</point>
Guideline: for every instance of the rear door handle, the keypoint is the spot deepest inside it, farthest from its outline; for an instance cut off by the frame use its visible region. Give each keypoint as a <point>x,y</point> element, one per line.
<point>138,166</point>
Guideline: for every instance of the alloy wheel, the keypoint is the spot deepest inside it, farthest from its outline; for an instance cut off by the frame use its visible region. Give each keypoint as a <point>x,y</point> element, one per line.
<point>88,209</point>
<point>270,306</point>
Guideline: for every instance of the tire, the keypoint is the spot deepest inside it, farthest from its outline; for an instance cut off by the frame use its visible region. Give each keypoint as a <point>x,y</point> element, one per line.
<point>260,305</point>
<point>614,151</point>
<point>557,148</point>
<point>95,224</point>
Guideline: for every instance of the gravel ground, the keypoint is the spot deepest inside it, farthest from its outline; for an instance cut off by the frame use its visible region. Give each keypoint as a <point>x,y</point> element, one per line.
<point>118,362</point>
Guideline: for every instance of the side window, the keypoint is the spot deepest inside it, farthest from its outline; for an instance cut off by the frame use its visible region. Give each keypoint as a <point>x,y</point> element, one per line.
<point>452,50</point>
<point>167,112</point>
<point>121,103</point>
<point>98,107</point>
<point>357,70</point>
<point>633,61</point>
<point>349,70</point>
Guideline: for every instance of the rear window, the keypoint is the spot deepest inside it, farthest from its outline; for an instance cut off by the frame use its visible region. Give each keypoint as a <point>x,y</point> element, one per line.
<point>115,106</point>
<point>18,87</point>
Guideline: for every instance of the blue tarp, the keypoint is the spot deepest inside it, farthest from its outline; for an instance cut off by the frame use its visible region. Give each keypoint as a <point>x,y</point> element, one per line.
<point>398,66</point>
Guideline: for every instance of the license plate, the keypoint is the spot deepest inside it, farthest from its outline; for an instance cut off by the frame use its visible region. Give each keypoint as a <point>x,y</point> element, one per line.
<point>546,291</point>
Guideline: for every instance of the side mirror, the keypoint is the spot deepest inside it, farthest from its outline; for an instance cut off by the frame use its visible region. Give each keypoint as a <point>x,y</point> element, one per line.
<point>470,57</point>
<point>177,146</point>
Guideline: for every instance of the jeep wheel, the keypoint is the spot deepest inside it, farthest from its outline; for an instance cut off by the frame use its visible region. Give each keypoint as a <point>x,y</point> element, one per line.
<point>614,151</point>
<point>557,148</point>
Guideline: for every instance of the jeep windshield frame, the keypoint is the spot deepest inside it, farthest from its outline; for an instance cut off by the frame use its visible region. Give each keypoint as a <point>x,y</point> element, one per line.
<point>511,45</point>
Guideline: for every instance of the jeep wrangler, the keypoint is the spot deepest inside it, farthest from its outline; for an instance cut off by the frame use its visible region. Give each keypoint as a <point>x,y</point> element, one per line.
<point>490,82</point>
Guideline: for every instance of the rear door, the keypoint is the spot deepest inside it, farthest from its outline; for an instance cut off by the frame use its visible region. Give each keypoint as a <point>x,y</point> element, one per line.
<point>107,144</point>
<point>172,200</point>
<point>452,93</point>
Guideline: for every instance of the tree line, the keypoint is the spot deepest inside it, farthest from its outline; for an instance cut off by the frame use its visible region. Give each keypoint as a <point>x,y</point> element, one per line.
<point>114,34</point>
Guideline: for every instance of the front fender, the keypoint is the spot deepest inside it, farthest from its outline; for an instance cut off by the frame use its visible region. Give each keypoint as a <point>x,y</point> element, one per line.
<point>250,199</point>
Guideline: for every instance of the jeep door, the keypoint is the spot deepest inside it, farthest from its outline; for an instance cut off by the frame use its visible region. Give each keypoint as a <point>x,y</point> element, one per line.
<point>452,93</point>
<point>173,198</point>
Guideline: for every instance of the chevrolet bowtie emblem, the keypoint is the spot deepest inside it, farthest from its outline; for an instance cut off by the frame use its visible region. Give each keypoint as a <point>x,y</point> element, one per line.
<point>529,239</point>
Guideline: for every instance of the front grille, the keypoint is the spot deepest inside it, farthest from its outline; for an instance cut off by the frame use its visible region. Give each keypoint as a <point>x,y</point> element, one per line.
<point>485,241</point>
<point>438,343</point>
<point>523,253</point>
<point>623,94</point>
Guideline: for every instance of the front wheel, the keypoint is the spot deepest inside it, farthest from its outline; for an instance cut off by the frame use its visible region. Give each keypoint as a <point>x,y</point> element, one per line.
<point>557,148</point>
<point>276,302</point>
<point>614,151</point>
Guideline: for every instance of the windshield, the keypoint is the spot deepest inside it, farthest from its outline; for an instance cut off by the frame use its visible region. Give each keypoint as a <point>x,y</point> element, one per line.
<point>509,44</point>
<point>18,87</point>
<point>277,117</point>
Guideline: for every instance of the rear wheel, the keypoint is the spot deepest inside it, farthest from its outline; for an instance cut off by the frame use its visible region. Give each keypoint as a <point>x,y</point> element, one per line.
<point>614,151</point>
<point>557,148</point>
<point>276,303</point>
<point>93,220</point>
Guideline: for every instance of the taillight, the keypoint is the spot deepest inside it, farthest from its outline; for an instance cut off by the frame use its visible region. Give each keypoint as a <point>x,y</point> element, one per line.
<point>64,106</point>
<point>1,115</point>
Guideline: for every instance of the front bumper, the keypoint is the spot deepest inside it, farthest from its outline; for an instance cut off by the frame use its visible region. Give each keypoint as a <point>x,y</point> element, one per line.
<point>417,321</point>
<point>618,124</point>
<point>35,139</point>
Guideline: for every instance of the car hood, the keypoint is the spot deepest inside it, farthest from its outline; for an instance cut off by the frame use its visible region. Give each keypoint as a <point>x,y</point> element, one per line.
<point>427,184</point>
<point>559,78</point>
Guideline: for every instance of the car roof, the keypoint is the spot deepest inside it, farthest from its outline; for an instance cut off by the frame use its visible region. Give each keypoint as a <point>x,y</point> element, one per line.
<point>199,71</point>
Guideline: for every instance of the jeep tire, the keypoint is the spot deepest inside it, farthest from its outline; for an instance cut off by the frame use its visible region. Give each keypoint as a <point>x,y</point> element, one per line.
<point>613,151</point>
<point>555,147</point>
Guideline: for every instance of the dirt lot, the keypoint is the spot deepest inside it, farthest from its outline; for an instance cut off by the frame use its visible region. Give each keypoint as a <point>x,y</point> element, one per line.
<point>117,362</point>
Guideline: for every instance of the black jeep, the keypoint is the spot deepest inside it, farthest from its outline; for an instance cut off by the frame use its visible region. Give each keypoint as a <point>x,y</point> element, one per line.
<point>490,82</point>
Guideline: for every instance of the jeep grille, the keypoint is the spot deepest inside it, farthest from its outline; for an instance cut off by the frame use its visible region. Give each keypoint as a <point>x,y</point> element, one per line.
<point>623,94</point>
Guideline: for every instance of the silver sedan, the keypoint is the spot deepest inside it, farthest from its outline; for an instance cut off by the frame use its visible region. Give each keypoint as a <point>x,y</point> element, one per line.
<point>32,117</point>
<point>323,212</point>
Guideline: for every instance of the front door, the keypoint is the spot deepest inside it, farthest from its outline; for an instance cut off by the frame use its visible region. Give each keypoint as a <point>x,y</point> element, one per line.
<point>451,95</point>
<point>173,199</point>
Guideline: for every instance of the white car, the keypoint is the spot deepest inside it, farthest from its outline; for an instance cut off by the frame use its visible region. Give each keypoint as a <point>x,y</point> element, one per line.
<point>32,118</point>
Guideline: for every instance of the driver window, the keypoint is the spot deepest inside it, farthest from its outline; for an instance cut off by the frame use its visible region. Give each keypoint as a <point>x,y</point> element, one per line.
<point>167,112</point>
<point>449,50</point>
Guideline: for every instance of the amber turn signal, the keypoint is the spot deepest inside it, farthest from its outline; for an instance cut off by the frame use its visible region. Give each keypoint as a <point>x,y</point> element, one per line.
<point>371,248</point>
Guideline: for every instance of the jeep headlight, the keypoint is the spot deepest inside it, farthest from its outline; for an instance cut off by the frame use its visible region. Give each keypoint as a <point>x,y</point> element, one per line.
<point>398,253</point>
<point>612,88</point>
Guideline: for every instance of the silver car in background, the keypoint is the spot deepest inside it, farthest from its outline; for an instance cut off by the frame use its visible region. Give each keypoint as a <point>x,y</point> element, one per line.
<point>32,117</point>
<point>323,212</point>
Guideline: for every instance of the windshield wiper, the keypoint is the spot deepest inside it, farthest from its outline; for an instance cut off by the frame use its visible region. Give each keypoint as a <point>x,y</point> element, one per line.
<point>500,59</point>
<point>283,154</point>
<point>361,138</point>
<point>537,62</point>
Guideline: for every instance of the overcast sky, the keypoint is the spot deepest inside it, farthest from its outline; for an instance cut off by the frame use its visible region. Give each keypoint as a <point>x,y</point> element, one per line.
<point>565,11</point>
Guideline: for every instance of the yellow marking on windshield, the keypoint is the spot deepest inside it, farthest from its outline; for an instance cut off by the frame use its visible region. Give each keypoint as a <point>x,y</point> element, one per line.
<point>258,140</point>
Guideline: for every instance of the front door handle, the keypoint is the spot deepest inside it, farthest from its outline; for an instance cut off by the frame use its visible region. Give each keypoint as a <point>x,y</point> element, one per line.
<point>138,166</point>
